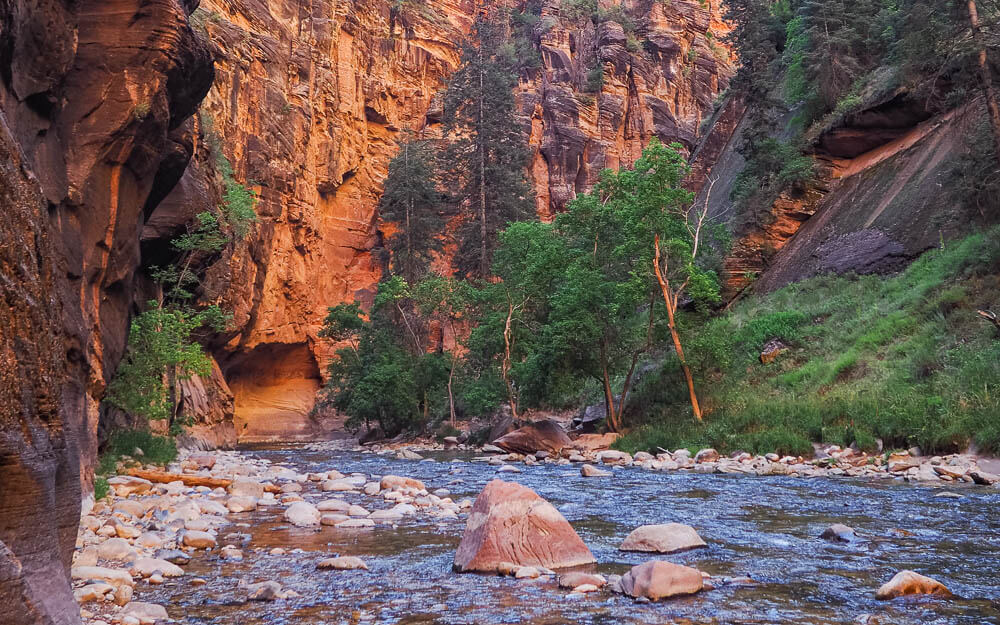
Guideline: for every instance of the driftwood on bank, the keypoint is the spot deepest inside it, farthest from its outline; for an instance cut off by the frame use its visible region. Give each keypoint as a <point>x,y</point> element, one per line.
<point>189,479</point>
<point>991,317</point>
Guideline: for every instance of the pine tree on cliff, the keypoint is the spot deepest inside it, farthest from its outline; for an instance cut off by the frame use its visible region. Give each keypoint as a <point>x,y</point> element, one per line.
<point>411,199</point>
<point>486,159</point>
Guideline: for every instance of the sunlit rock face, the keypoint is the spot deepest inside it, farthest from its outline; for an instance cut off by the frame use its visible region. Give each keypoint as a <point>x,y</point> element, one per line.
<point>96,99</point>
<point>310,101</point>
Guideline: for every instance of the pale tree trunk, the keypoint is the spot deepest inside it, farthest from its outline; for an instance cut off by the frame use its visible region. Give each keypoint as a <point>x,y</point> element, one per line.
<point>505,367</point>
<point>986,76</point>
<point>671,301</point>
<point>609,396</point>
<point>483,265</point>
<point>451,396</point>
<point>451,373</point>
<point>409,211</point>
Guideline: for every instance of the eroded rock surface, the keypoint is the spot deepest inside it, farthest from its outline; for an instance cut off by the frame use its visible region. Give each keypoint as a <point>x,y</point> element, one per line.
<point>95,98</point>
<point>510,524</point>
<point>544,435</point>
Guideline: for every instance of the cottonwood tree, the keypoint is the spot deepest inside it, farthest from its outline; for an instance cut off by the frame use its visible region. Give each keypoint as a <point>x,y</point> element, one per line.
<point>675,231</point>
<point>446,301</point>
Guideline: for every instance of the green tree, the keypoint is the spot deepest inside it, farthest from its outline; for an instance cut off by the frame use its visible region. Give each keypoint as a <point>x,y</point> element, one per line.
<point>487,154</point>
<point>506,343</point>
<point>161,352</point>
<point>411,199</point>
<point>582,296</point>
<point>384,376</point>
<point>162,347</point>
<point>446,301</point>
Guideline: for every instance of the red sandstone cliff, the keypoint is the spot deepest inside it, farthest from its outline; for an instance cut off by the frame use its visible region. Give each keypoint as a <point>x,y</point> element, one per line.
<point>94,102</point>
<point>310,100</point>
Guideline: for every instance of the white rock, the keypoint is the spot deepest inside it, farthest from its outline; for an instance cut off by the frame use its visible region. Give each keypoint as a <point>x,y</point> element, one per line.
<point>343,563</point>
<point>147,613</point>
<point>146,567</point>
<point>356,524</point>
<point>241,503</point>
<point>357,511</point>
<point>302,514</point>
<point>198,540</point>
<point>117,549</point>
<point>93,592</point>
<point>115,577</point>
<point>246,488</point>
<point>592,471</point>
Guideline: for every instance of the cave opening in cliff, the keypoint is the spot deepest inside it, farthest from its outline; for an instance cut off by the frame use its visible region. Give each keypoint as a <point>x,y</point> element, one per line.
<point>274,389</point>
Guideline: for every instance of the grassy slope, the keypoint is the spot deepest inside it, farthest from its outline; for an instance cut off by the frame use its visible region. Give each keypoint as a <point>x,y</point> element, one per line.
<point>902,358</point>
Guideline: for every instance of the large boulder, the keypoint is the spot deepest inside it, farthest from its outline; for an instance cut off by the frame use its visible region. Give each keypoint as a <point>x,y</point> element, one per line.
<point>511,524</point>
<point>659,580</point>
<point>668,538</point>
<point>909,583</point>
<point>545,435</point>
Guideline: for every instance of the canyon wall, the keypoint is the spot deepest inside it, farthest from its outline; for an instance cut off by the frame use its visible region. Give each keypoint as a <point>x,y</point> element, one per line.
<point>883,193</point>
<point>309,102</point>
<point>95,101</point>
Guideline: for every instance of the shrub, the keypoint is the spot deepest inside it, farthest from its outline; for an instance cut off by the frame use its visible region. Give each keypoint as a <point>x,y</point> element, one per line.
<point>159,450</point>
<point>101,488</point>
<point>595,78</point>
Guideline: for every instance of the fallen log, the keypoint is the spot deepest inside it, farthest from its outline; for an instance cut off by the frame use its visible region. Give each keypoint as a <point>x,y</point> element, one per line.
<point>188,479</point>
<point>991,317</point>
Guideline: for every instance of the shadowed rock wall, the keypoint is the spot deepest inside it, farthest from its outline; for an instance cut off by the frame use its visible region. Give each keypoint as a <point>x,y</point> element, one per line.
<point>94,98</point>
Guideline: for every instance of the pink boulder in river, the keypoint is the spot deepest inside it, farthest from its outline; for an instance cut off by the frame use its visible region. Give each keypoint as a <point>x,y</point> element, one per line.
<point>511,524</point>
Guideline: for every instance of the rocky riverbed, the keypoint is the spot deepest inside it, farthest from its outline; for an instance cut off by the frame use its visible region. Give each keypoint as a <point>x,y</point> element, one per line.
<point>324,534</point>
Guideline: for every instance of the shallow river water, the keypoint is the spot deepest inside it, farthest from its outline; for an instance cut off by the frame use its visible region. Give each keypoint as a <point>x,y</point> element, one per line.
<point>765,528</point>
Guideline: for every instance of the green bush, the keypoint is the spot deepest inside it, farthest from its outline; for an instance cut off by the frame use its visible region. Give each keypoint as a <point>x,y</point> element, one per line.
<point>101,488</point>
<point>158,450</point>
<point>595,78</point>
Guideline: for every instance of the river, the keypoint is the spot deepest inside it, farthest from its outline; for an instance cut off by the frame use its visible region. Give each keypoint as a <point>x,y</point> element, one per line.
<point>764,528</point>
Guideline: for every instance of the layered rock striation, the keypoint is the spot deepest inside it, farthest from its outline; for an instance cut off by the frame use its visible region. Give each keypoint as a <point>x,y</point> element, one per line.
<point>95,101</point>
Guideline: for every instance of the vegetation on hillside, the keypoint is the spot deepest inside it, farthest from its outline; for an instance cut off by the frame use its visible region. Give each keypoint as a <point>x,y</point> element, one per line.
<point>904,359</point>
<point>817,62</point>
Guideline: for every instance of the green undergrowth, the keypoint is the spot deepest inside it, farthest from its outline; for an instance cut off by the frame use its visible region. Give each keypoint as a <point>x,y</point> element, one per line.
<point>158,450</point>
<point>904,359</point>
<point>101,488</point>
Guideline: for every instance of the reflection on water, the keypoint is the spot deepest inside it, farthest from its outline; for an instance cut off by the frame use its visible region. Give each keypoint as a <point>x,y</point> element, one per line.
<point>762,528</point>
